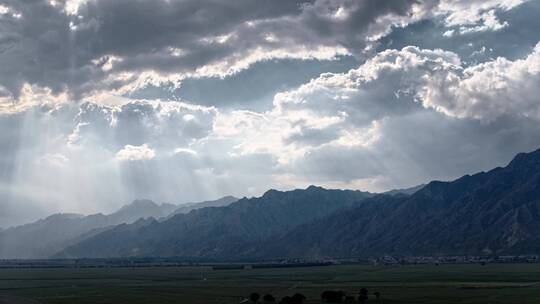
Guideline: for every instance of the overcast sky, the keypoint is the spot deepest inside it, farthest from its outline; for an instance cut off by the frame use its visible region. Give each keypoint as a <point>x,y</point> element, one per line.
<point>105,101</point>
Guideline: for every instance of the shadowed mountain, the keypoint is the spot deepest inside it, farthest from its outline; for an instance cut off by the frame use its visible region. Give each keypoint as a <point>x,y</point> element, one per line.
<point>223,232</point>
<point>47,236</point>
<point>495,212</point>
<point>142,209</point>
<point>405,191</point>
<point>186,208</point>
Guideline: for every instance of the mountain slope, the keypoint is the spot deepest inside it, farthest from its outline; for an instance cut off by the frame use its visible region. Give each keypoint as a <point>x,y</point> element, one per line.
<point>405,191</point>
<point>47,236</point>
<point>219,232</point>
<point>142,209</point>
<point>186,208</point>
<point>496,212</point>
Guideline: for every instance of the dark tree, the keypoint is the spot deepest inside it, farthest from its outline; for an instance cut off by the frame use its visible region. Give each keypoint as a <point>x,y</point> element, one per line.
<point>363,296</point>
<point>254,297</point>
<point>332,296</point>
<point>298,298</point>
<point>269,299</point>
<point>286,300</point>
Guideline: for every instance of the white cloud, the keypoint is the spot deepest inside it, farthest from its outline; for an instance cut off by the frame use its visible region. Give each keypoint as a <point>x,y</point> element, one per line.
<point>71,7</point>
<point>135,153</point>
<point>470,16</point>
<point>185,151</point>
<point>4,9</point>
<point>336,127</point>
<point>486,91</point>
<point>434,78</point>
<point>31,96</point>
<point>135,122</point>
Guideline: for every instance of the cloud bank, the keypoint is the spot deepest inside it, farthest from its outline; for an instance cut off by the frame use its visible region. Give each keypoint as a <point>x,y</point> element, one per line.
<point>88,96</point>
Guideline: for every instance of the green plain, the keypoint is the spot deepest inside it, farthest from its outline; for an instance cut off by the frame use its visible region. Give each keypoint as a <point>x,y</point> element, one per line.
<point>468,284</point>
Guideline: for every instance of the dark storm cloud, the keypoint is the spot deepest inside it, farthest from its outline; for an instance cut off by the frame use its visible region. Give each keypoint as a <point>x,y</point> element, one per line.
<point>38,48</point>
<point>43,44</point>
<point>141,31</point>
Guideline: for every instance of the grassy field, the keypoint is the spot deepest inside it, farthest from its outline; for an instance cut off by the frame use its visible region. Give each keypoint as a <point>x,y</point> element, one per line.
<point>493,283</point>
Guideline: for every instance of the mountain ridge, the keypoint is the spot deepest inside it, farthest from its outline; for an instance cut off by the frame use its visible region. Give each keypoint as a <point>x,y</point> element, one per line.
<point>491,212</point>
<point>47,236</point>
<point>221,231</point>
<point>494,212</point>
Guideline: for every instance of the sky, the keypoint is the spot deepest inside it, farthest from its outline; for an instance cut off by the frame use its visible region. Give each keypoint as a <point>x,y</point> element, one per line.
<point>106,101</point>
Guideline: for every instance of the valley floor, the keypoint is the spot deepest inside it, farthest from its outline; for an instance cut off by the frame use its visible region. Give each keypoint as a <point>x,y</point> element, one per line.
<point>472,283</point>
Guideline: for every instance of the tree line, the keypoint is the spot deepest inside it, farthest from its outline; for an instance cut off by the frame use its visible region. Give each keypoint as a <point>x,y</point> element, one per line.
<point>327,296</point>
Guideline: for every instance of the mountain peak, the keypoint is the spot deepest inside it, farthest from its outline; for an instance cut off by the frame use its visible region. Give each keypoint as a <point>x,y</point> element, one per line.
<point>314,188</point>
<point>141,208</point>
<point>140,205</point>
<point>526,159</point>
<point>271,192</point>
<point>239,225</point>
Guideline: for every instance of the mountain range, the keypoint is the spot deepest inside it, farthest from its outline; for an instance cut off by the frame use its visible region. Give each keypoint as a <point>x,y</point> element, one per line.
<point>219,232</point>
<point>45,237</point>
<point>494,212</point>
<point>488,213</point>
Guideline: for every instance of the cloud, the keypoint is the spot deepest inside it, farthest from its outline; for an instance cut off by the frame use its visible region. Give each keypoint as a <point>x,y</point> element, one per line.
<point>186,151</point>
<point>374,127</point>
<point>362,108</point>
<point>4,10</point>
<point>392,81</point>
<point>135,153</point>
<point>514,41</point>
<point>30,97</point>
<point>486,91</point>
<point>475,16</point>
<point>136,122</point>
<point>401,111</point>
<point>249,89</point>
<point>336,108</point>
<point>84,47</point>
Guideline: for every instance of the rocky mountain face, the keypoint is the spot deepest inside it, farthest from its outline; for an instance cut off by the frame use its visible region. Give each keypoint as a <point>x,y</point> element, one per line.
<point>219,232</point>
<point>496,212</point>
<point>186,208</point>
